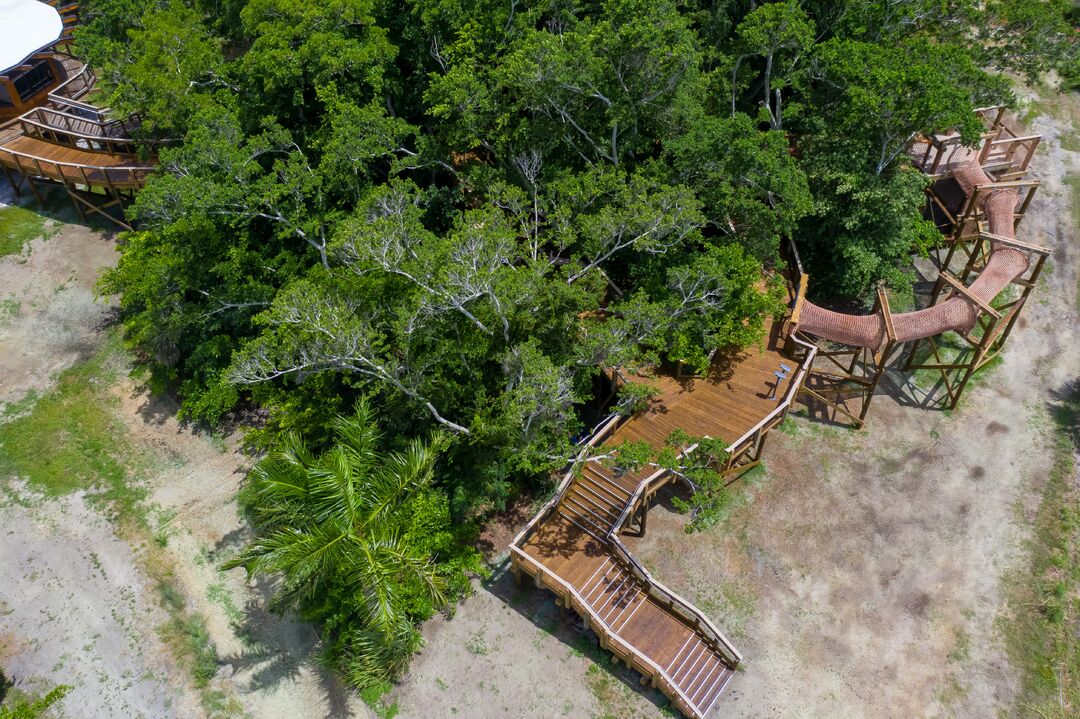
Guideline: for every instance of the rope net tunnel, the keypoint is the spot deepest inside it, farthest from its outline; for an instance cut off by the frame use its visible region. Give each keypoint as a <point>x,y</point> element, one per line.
<point>958,313</point>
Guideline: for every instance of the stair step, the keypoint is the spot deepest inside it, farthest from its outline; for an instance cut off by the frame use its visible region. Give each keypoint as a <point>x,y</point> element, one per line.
<point>690,663</point>
<point>679,654</point>
<point>703,694</point>
<point>582,522</point>
<point>599,520</point>
<point>620,600</point>
<point>708,667</point>
<point>604,567</point>
<point>627,612</point>
<point>607,508</point>
<point>713,695</point>
<point>605,581</point>
<point>591,470</point>
<point>601,490</point>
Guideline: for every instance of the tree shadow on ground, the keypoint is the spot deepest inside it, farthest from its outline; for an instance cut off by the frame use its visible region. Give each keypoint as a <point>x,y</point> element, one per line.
<point>277,648</point>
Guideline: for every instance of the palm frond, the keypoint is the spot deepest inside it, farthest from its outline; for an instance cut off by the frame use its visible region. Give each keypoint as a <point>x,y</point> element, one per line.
<point>400,475</point>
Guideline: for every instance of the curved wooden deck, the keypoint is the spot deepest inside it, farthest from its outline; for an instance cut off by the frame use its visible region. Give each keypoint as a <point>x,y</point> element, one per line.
<point>95,179</point>
<point>73,165</point>
<point>572,546</point>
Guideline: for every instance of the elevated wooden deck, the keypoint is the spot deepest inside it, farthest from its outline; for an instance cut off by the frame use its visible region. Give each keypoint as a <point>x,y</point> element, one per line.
<point>572,546</point>
<point>726,404</point>
<point>72,144</point>
<point>72,165</point>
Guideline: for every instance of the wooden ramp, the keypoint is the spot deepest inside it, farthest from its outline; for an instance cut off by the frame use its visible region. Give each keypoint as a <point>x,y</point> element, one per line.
<point>572,546</point>
<point>97,181</point>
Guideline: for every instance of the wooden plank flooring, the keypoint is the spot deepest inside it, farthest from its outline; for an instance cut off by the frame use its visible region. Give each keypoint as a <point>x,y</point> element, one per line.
<point>726,404</point>
<point>97,164</point>
<point>572,541</point>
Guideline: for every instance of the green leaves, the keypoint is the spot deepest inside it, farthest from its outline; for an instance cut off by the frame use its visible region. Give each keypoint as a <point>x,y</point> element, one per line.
<point>343,524</point>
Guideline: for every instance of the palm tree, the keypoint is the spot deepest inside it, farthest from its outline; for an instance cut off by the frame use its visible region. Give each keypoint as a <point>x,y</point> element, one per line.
<point>330,525</point>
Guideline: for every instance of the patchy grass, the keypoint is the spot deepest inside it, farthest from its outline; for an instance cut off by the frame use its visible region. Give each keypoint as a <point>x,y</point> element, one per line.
<point>9,309</point>
<point>375,696</point>
<point>187,637</point>
<point>70,439</point>
<point>1043,605</point>
<point>951,349</point>
<point>476,644</point>
<point>18,226</point>
<point>219,594</point>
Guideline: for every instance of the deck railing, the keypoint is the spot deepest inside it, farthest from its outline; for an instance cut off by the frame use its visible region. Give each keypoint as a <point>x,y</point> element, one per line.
<point>67,134</point>
<point>75,86</point>
<point>583,608</point>
<point>111,177</point>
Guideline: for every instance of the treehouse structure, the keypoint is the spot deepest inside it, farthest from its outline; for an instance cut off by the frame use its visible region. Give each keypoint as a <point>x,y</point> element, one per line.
<point>978,200</point>
<point>30,67</point>
<point>53,137</point>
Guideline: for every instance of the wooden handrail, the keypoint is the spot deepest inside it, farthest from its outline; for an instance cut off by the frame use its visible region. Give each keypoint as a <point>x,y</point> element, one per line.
<point>85,74</point>
<point>595,619</point>
<point>98,139</point>
<point>59,163</point>
<point>1011,184</point>
<point>967,294</point>
<point>789,394</point>
<point>800,299</point>
<point>675,603</point>
<point>1016,140</point>
<point>1002,240</point>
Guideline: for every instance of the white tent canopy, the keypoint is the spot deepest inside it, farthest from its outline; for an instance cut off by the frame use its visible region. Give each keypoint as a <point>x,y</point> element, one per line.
<point>26,26</point>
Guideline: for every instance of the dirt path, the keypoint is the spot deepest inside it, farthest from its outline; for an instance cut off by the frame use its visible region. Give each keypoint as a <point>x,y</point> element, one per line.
<point>74,610</point>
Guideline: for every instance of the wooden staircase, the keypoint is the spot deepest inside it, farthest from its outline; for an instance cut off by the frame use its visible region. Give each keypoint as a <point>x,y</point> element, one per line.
<point>656,632</point>
<point>594,501</point>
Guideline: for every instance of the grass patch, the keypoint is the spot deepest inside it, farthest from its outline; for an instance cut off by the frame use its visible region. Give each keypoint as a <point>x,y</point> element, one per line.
<point>374,696</point>
<point>187,637</point>
<point>8,310</point>
<point>951,349</point>
<point>1044,596</point>
<point>218,593</point>
<point>70,439</point>
<point>18,226</point>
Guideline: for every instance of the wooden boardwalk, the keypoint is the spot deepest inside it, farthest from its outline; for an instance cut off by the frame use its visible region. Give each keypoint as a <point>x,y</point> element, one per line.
<point>572,546</point>
<point>726,404</point>
<point>97,177</point>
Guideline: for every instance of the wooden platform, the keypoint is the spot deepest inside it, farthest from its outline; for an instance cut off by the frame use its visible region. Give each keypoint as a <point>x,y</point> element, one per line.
<point>73,165</point>
<point>726,404</point>
<point>572,546</point>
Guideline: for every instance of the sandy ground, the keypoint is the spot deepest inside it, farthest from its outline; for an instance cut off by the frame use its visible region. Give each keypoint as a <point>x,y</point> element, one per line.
<point>74,610</point>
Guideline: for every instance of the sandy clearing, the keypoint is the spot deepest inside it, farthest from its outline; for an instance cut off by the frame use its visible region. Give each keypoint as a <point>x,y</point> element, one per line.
<point>267,663</point>
<point>77,610</point>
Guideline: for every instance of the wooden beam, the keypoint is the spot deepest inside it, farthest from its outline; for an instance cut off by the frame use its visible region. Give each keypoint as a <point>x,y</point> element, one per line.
<point>956,285</point>
<point>1000,239</point>
<point>883,301</point>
